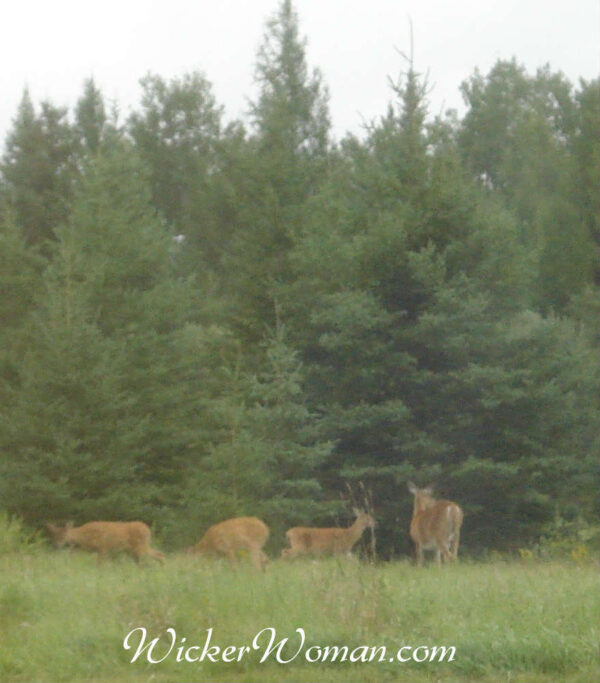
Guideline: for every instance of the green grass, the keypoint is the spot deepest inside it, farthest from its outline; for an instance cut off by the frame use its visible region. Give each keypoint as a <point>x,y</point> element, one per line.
<point>63,618</point>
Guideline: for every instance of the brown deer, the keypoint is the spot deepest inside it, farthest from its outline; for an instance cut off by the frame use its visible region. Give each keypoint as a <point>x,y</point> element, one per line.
<point>435,525</point>
<point>107,537</point>
<point>328,541</point>
<point>228,537</point>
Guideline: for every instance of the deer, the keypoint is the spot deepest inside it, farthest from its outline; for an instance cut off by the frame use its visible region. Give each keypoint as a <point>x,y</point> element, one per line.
<point>228,537</point>
<point>107,537</point>
<point>435,525</point>
<point>327,541</point>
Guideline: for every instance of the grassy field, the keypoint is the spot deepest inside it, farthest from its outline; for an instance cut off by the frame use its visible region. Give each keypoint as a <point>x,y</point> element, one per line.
<point>63,618</point>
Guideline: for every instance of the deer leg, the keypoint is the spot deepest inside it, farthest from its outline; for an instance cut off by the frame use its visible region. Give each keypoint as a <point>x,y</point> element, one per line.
<point>255,560</point>
<point>230,554</point>
<point>259,559</point>
<point>157,555</point>
<point>419,554</point>
<point>455,543</point>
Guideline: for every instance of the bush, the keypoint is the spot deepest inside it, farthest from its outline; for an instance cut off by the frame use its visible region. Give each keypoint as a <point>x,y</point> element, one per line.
<point>15,537</point>
<point>576,539</point>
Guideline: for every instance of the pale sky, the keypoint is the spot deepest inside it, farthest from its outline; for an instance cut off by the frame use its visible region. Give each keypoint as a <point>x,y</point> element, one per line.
<point>52,46</point>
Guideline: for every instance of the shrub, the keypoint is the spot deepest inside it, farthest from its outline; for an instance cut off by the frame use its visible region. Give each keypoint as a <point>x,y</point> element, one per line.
<point>576,539</point>
<point>15,537</point>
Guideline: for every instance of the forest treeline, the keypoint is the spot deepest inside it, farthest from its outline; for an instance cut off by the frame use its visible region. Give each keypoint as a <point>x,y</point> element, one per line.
<point>203,319</point>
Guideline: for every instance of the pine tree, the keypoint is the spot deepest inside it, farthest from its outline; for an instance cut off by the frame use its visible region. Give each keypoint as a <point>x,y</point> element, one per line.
<point>21,269</point>
<point>91,121</point>
<point>285,162</point>
<point>411,290</point>
<point>261,447</point>
<point>38,168</point>
<point>289,435</point>
<point>102,413</point>
<point>290,115</point>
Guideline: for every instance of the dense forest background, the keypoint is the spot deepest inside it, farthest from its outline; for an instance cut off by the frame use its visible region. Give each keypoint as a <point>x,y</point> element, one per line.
<point>204,319</point>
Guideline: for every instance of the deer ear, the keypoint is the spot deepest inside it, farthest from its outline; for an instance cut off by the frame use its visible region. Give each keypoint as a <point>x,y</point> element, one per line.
<point>356,511</point>
<point>411,487</point>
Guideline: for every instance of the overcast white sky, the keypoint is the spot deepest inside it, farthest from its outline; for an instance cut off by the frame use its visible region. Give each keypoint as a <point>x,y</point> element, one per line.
<point>51,46</point>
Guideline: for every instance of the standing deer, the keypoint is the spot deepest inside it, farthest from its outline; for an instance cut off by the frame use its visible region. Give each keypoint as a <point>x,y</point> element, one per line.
<point>328,541</point>
<point>228,537</point>
<point>435,525</point>
<point>107,537</point>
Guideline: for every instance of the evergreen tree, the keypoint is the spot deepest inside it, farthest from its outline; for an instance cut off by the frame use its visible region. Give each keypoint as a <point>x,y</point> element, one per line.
<point>101,413</point>
<point>21,269</point>
<point>289,435</point>
<point>285,162</point>
<point>91,121</point>
<point>38,168</point>
<point>261,447</point>
<point>290,115</point>
<point>408,292</point>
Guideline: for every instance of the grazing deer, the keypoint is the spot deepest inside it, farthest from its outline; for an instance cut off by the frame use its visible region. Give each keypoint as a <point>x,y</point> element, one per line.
<point>107,537</point>
<point>332,541</point>
<point>435,525</point>
<point>228,537</point>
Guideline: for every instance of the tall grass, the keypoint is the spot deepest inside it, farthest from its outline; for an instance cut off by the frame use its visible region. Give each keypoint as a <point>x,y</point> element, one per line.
<point>63,618</point>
